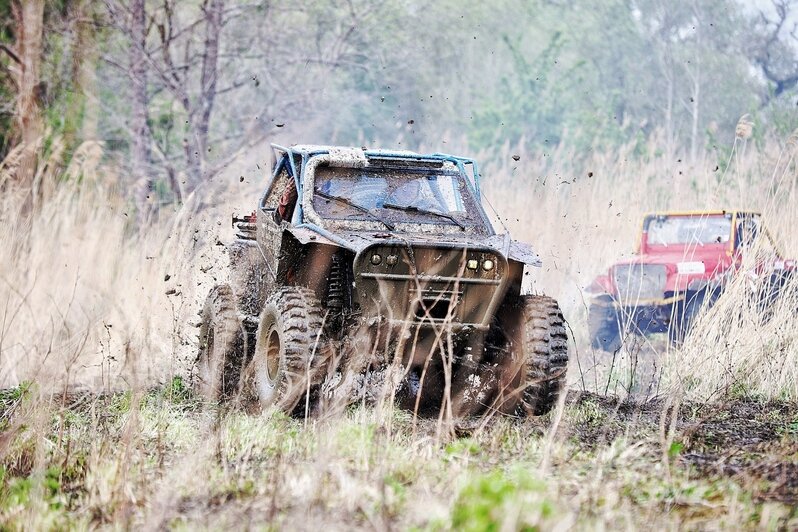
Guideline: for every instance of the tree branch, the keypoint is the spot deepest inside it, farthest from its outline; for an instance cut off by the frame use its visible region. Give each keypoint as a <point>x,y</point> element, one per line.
<point>10,53</point>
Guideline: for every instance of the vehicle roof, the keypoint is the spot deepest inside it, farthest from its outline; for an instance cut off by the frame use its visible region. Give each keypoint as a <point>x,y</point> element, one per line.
<point>310,150</point>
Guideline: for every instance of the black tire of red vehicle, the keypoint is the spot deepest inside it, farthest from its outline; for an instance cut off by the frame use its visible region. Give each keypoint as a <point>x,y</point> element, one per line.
<point>291,353</point>
<point>603,328</point>
<point>687,312</point>
<point>221,346</point>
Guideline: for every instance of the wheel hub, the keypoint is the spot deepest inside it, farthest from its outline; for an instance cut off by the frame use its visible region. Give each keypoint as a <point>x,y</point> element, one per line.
<point>273,355</point>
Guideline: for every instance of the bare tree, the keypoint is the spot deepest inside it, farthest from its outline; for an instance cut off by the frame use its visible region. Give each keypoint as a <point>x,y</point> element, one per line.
<point>26,75</point>
<point>210,78</point>
<point>693,72</point>
<point>163,58</point>
<point>82,117</point>
<point>776,58</point>
<point>200,117</point>
<point>176,75</point>
<point>140,153</point>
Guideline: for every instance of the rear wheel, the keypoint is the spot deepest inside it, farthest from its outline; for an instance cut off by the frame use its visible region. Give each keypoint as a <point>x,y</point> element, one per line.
<point>532,365</point>
<point>291,353</point>
<point>221,346</point>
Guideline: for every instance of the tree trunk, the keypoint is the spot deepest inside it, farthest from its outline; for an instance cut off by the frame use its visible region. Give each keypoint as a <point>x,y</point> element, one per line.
<point>696,78</point>
<point>81,120</point>
<point>695,109</point>
<point>140,153</point>
<point>29,15</point>
<point>197,147</point>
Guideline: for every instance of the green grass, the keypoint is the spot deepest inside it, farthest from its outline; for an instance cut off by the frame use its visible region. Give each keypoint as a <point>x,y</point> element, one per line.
<point>164,459</point>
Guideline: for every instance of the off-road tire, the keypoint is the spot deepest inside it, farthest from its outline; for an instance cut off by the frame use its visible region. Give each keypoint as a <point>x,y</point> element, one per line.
<point>604,328</point>
<point>688,311</point>
<point>777,284</point>
<point>528,348</point>
<point>221,346</point>
<point>291,353</point>
<point>545,350</point>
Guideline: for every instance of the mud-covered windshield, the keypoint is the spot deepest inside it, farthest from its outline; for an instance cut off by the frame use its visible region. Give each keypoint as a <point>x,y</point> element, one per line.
<point>679,230</point>
<point>416,195</point>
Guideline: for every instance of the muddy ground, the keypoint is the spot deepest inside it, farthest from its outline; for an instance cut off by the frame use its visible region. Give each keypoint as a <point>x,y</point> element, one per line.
<point>751,441</point>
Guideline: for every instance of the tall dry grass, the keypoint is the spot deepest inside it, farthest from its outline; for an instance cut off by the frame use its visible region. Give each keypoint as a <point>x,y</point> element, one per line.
<point>88,300</point>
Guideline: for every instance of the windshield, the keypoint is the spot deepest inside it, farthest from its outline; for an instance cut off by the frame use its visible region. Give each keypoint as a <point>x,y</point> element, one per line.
<point>416,195</point>
<point>674,230</point>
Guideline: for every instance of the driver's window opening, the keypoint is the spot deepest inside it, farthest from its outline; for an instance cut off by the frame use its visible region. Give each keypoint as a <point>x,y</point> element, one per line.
<point>288,199</point>
<point>747,231</point>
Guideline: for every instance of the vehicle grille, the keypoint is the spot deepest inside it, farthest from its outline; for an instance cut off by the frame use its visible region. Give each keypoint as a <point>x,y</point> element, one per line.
<point>436,301</point>
<point>639,281</point>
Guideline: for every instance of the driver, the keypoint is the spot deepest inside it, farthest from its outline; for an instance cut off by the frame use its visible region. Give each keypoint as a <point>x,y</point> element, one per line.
<point>287,201</point>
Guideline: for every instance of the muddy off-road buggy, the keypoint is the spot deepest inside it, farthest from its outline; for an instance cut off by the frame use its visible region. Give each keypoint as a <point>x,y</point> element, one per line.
<point>683,262</point>
<point>379,269</point>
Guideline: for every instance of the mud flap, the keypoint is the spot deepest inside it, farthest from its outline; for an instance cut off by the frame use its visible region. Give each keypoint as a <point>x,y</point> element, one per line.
<point>529,280</point>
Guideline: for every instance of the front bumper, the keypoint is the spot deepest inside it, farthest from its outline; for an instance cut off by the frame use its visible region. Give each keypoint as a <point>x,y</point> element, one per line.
<point>646,317</point>
<point>429,286</point>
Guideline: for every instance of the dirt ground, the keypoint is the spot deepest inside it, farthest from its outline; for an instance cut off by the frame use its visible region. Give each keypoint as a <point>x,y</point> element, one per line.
<point>748,440</point>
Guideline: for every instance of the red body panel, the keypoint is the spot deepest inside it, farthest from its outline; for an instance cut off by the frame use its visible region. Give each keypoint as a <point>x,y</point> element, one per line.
<point>686,264</point>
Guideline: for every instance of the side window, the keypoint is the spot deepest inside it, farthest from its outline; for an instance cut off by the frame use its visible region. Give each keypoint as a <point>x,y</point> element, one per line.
<point>747,230</point>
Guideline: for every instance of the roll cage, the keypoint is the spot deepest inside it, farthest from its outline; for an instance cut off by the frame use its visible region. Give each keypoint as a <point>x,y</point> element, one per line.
<point>286,158</point>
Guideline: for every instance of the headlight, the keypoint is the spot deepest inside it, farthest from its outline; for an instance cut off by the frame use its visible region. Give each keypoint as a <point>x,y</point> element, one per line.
<point>391,260</point>
<point>376,259</point>
<point>488,265</point>
<point>472,264</point>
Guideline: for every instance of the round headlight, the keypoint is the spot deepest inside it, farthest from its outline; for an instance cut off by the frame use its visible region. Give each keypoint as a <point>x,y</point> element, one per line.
<point>488,265</point>
<point>391,260</point>
<point>376,259</point>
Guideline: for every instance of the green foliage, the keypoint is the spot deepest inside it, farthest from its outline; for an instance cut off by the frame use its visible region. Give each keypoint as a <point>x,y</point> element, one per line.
<point>588,413</point>
<point>12,395</point>
<point>675,449</point>
<point>17,491</point>
<point>492,501</point>
<point>463,447</point>
<point>177,391</point>
<point>523,105</point>
<point>599,74</point>
<point>120,403</point>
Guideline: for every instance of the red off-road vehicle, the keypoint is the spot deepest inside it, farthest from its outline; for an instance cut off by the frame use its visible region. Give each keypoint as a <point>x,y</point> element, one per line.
<point>362,263</point>
<point>683,261</point>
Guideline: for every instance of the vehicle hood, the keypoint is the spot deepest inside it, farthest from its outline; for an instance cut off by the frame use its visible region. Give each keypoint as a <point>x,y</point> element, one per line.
<point>357,241</point>
<point>693,261</point>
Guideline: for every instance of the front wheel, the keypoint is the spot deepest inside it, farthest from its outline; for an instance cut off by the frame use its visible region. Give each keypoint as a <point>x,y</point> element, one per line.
<point>687,312</point>
<point>533,362</point>
<point>291,353</point>
<point>604,328</point>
